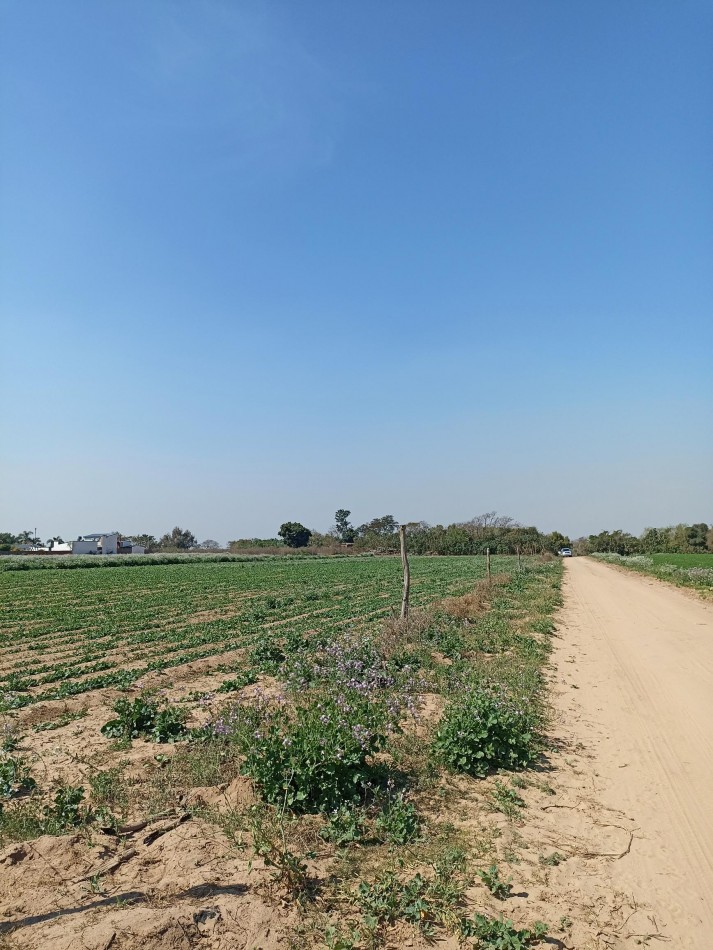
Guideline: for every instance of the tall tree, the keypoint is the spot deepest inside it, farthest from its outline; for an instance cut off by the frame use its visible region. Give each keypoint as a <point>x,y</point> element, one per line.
<point>294,534</point>
<point>382,527</point>
<point>182,540</point>
<point>344,530</point>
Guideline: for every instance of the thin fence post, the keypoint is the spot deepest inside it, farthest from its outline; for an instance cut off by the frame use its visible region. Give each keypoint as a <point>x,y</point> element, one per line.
<point>487,565</point>
<point>407,573</point>
<point>519,560</point>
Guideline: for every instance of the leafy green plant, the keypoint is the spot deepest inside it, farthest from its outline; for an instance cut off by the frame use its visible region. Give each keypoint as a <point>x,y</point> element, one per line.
<point>11,737</point>
<point>495,884</point>
<point>146,718</point>
<point>267,657</point>
<point>29,818</point>
<point>237,682</point>
<point>109,790</point>
<point>345,824</point>
<point>399,821</point>
<point>506,799</point>
<point>67,810</point>
<point>501,934</point>
<point>422,901</point>
<point>314,760</point>
<point>15,777</point>
<point>484,729</point>
<point>552,860</point>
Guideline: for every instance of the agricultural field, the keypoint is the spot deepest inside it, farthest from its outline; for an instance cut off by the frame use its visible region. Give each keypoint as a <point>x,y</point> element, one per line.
<point>684,560</point>
<point>687,570</point>
<point>261,753</point>
<point>64,632</point>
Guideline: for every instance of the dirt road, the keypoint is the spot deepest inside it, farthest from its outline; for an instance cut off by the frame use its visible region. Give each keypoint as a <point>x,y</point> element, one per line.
<point>634,664</point>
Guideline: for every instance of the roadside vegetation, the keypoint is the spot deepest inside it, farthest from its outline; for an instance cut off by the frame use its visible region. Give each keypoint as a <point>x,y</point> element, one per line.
<point>688,570</point>
<point>350,738</point>
<point>688,539</point>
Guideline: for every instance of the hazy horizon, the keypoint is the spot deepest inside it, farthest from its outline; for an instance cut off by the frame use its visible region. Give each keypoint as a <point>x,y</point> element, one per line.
<point>261,260</point>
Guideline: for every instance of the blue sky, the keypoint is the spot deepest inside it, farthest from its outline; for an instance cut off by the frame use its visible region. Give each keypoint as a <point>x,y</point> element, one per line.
<point>262,260</point>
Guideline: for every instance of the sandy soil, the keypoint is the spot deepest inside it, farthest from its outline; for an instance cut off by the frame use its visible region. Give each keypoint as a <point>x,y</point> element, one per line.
<point>634,661</point>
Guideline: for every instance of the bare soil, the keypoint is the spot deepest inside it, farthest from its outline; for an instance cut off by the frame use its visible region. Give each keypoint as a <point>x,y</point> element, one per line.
<point>634,661</point>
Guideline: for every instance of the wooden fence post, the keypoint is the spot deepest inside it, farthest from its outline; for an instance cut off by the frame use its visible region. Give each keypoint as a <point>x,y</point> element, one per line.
<point>407,573</point>
<point>487,564</point>
<point>519,560</point>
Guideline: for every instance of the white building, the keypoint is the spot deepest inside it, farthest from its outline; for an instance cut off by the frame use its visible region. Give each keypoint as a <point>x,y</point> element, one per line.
<point>106,543</point>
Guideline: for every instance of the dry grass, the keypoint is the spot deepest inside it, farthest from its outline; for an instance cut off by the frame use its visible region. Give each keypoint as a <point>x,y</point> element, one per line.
<point>477,601</point>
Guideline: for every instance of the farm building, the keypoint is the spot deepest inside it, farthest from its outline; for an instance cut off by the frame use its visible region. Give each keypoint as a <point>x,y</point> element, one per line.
<point>104,543</point>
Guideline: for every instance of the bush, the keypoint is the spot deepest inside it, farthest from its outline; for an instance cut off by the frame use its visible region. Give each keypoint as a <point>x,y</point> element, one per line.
<point>485,729</point>
<point>312,761</point>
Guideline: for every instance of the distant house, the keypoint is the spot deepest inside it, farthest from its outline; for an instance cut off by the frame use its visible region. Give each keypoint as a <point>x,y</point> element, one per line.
<point>105,543</point>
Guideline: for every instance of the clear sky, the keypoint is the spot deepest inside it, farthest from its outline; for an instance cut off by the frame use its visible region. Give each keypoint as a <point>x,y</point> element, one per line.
<point>261,260</point>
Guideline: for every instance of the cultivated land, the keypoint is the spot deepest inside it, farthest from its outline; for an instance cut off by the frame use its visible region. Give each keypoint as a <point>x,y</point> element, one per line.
<point>66,632</point>
<point>332,775</point>
<point>640,656</point>
<point>291,766</point>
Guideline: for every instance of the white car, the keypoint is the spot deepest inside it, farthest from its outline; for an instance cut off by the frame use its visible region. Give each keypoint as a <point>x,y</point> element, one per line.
<point>565,552</point>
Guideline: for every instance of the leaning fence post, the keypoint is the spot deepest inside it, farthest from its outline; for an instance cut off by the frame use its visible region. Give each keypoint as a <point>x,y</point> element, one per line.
<point>487,564</point>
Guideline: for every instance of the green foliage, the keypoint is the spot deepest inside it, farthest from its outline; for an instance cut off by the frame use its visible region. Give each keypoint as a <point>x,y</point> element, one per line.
<point>63,720</point>
<point>345,825</point>
<point>178,540</point>
<point>344,530</point>
<point>238,682</point>
<point>145,718</point>
<point>674,539</point>
<point>294,534</point>
<point>552,860</point>
<point>690,570</point>
<point>27,818</point>
<point>267,657</point>
<point>67,810</point>
<point>15,777</point>
<point>109,790</point>
<point>500,934</point>
<point>495,884</point>
<point>314,760</point>
<point>421,901</point>
<point>399,821</point>
<point>506,799</point>
<point>72,639</point>
<point>486,728</point>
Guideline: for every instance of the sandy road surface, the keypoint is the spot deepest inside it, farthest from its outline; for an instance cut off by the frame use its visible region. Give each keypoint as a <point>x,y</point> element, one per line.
<point>635,660</point>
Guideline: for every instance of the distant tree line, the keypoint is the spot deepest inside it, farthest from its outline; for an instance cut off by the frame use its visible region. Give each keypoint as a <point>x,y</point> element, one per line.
<point>675,539</point>
<point>500,533</point>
